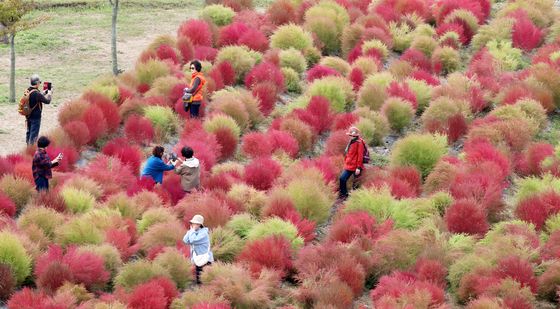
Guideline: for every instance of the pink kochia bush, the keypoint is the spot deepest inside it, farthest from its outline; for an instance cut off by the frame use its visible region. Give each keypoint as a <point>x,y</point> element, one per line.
<point>7,206</point>
<point>262,172</point>
<point>273,252</point>
<point>55,267</point>
<point>256,144</point>
<point>154,294</point>
<point>525,34</point>
<point>320,71</point>
<point>129,155</point>
<point>358,224</point>
<point>318,114</point>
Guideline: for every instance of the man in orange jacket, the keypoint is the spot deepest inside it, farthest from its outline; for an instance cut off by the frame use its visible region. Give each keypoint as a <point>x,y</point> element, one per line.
<point>353,160</point>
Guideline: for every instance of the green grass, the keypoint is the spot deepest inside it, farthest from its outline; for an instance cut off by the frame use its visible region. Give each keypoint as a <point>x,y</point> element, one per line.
<point>72,48</point>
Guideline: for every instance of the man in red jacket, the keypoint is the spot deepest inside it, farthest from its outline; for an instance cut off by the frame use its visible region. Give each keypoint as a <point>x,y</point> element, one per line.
<point>353,160</point>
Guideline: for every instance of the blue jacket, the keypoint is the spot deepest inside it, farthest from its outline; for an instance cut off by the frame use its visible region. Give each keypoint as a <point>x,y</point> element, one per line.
<point>199,241</point>
<point>155,168</point>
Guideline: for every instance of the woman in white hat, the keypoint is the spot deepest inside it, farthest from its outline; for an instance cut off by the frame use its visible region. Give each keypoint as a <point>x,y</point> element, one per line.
<point>199,241</point>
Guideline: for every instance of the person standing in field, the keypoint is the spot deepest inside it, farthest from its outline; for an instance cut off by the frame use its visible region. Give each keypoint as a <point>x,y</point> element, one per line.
<point>42,164</point>
<point>36,101</point>
<point>192,104</point>
<point>353,160</point>
<point>189,170</point>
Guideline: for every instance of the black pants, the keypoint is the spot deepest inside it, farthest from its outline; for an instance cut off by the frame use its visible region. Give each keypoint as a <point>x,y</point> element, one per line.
<point>42,184</point>
<point>33,125</point>
<point>343,179</point>
<point>198,270</point>
<point>195,108</point>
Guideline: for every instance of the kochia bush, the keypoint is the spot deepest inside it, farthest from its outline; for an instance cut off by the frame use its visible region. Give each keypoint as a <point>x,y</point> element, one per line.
<point>422,151</point>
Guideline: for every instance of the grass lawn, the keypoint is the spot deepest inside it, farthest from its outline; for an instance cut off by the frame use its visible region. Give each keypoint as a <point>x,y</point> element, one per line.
<point>73,47</point>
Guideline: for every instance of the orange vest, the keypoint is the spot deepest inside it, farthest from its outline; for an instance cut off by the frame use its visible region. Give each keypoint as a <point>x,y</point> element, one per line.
<point>198,92</point>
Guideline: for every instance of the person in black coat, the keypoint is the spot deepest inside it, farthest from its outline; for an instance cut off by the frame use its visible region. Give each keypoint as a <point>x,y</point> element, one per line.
<point>36,101</point>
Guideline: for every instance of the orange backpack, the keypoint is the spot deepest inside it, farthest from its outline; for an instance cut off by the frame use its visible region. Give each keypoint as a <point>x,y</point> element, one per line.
<point>23,107</point>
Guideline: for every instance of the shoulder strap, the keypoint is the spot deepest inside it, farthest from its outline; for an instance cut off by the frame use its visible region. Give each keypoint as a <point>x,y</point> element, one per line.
<point>40,106</point>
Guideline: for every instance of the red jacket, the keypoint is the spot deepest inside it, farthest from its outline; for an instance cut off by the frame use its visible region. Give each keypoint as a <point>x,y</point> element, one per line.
<point>355,156</point>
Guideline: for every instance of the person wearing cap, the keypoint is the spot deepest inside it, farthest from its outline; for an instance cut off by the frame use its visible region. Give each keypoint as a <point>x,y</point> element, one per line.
<point>198,239</point>
<point>36,101</point>
<point>353,160</point>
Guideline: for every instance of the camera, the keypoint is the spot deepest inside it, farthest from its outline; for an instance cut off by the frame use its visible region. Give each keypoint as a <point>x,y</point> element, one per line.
<point>173,156</point>
<point>47,86</point>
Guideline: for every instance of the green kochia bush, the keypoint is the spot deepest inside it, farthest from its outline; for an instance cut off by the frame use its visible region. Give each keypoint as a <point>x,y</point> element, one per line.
<point>148,71</point>
<point>138,272</point>
<point>241,224</point>
<point>77,201</point>
<point>509,57</point>
<point>176,264</point>
<point>19,190</point>
<point>44,218</point>
<point>291,36</point>
<point>13,254</point>
<point>337,89</point>
<point>276,226</point>
<point>78,231</point>
<point>219,121</point>
<point>327,20</point>
<point>226,245</point>
<point>399,113</point>
<point>241,58</point>
<point>420,150</point>
<point>291,78</point>
<point>218,14</point>
<point>529,186</point>
<point>293,59</point>
<point>163,119</point>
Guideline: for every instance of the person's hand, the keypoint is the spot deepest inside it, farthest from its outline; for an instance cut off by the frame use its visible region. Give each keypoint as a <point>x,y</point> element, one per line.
<point>358,171</point>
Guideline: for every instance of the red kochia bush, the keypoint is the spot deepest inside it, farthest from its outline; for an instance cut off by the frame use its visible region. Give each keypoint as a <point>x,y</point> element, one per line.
<point>401,284</point>
<point>228,141</point>
<point>148,296</point>
<point>464,216</point>
<point>353,225</point>
<point>230,34</point>
<point>198,31</point>
<point>481,150</point>
<point>336,143</point>
<point>480,185</point>
<point>265,71</point>
<point>77,131</point>
<point>129,155</point>
<point>273,252</point>
<point>165,51</point>
<point>425,76</point>
<point>356,77</point>
<point>320,71</point>
<point>96,123</point>
<point>255,144</point>
<point>202,52</point>
<point>254,39</point>
<point>70,157</point>
<point>535,155</point>
<point>28,298</point>
<point>283,141</point>
<point>109,109</point>
<point>227,72</point>
<point>7,206</point>
<point>211,306</point>
<point>519,270</point>
<point>172,184</point>
<point>432,271</point>
<point>282,12</point>
<point>318,114</point>
<point>402,91</point>
<point>410,175</point>
<point>525,34</point>
<point>138,129</point>
<point>344,121</point>
<point>215,212</point>
<point>262,172</point>
<point>266,92</point>
<point>537,208</point>
<point>417,59</point>
<point>186,48</point>
<point>326,165</point>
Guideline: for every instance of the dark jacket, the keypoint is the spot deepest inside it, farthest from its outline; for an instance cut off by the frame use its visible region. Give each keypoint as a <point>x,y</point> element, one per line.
<point>42,164</point>
<point>36,101</point>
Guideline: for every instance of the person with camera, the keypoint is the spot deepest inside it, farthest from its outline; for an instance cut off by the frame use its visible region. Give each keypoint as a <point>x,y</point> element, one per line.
<point>155,167</point>
<point>192,96</point>
<point>189,170</point>
<point>36,101</point>
<point>42,164</point>
<point>198,238</point>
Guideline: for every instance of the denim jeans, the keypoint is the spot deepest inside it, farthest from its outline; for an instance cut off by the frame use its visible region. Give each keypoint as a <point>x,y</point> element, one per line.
<point>42,184</point>
<point>343,179</point>
<point>195,108</point>
<point>33,125</point>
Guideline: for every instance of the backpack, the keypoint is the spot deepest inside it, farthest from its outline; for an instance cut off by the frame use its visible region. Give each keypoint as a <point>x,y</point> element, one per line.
<point>365,158</point>
<point>23,107</point>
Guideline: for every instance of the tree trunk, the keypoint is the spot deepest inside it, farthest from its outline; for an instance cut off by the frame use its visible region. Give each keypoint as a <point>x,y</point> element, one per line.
<point>12,69</point>
<point>115,5</point>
